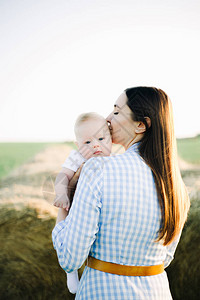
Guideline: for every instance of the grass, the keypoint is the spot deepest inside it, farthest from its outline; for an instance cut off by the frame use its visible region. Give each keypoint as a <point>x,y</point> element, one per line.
<point>189,149</point>
<point>183,272</point>
<point>71,144</point>
<point>28,263</point>
<point>13,155</point>
<point>29,267</point>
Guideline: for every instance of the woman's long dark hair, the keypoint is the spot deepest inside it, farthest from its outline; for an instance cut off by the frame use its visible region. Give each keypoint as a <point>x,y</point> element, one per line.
<point>158,148</point>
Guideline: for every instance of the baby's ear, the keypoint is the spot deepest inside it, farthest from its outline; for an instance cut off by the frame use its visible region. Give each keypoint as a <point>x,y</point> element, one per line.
<point>76,143</point>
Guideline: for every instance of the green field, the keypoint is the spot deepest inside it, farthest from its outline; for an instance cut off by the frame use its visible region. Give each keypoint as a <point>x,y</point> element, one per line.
<point>13,155</point>
<point>189,149</point>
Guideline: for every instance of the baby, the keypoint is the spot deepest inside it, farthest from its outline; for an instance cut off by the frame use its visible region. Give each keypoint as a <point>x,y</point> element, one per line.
<point>92,139</point>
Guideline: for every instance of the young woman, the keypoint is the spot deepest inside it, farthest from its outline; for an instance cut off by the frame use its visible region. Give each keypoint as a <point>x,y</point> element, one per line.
<point>129,210</point>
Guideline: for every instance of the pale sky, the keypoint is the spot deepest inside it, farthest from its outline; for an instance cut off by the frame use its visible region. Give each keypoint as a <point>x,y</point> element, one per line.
<point>64,57</point>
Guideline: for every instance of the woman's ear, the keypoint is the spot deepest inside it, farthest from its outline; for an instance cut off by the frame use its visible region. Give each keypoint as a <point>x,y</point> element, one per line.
<point>148,120</point>
<point>141,128</point>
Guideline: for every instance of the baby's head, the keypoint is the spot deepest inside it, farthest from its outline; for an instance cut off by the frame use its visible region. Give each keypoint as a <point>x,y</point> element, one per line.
<point>92,135</point>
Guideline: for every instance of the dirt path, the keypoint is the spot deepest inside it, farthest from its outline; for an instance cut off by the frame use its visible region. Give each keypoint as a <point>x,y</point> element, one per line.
<point>32,183</point>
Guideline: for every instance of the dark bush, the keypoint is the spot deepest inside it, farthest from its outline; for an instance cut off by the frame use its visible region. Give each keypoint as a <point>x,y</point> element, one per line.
<point>28,264</point>
<point>183,273</point>
<point>29,267</point>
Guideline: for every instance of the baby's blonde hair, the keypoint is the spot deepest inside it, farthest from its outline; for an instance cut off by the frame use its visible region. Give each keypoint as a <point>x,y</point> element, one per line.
<point>85,117</point>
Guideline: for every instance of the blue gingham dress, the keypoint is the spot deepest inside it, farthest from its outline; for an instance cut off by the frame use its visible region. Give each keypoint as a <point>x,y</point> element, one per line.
<point>115,217</point>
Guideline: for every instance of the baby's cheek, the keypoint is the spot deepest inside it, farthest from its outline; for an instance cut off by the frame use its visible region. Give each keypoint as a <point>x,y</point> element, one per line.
<point>106,150</point>
<point>86,152</point>
<point>89,155</point>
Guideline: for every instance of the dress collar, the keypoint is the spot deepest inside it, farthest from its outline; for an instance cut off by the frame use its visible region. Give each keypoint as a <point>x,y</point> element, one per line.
<point>134,147</point>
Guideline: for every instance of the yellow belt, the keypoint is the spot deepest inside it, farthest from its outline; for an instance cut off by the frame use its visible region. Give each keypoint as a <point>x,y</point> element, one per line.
<point>113,268</point>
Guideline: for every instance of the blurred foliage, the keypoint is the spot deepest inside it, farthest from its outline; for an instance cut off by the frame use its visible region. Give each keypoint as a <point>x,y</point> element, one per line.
<point>183,272</point>
<point>28,263</point>
<point>189,149</point>
<point>29,267</point>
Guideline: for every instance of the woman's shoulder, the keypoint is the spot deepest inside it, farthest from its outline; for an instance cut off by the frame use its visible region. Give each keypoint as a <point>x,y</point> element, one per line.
<point>93,164</point>
<point>100,163</point>
<point>128,157</point>
<point>127,161</point>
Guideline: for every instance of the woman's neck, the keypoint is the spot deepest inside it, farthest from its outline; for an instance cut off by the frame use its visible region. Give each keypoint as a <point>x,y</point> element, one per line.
<point>130,142</point>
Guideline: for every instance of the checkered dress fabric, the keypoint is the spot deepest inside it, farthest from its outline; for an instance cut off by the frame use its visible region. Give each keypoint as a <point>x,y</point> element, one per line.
<point>115,217</point>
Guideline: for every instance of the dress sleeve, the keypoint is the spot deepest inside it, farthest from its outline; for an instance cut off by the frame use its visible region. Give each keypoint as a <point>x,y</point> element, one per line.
<point>74,236</point>
<point>170,250</point>
<point>74,161</point>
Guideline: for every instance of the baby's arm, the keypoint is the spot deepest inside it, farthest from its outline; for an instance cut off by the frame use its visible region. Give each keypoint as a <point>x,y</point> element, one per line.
<point>69,168</point>
<point>61,188</point>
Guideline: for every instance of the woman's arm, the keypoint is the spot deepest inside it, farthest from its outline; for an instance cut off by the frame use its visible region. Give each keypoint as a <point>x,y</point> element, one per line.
<point>170,250</point>
<point>74,236</point>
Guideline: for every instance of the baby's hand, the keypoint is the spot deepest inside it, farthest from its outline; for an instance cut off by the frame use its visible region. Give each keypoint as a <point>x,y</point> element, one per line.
<point>62,201</point>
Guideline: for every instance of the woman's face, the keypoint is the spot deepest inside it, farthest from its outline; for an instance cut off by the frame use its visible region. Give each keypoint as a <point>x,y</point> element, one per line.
<point>122,125</point>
